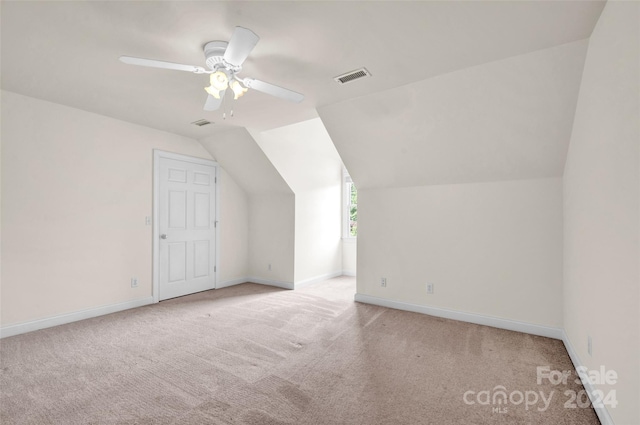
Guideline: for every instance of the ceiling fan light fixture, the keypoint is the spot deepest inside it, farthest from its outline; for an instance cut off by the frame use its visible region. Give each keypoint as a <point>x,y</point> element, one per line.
<point>213,92</point>
<point>219,80</point>
<point>237,88</point>
<point>219,83</point>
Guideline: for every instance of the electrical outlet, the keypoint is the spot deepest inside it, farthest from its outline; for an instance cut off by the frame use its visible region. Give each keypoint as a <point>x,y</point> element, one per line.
<point>383,282</point>
<point>269,267</point>
<point>134,282</point>
<point>589,345</point>
<point>429,288</point>
<point>147,220</point>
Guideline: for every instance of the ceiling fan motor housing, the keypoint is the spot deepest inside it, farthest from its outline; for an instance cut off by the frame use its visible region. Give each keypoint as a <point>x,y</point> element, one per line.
<point>214,52</point>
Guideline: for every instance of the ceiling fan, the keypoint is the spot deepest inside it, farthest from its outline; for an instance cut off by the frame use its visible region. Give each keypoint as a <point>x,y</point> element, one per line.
<point>224,62</point>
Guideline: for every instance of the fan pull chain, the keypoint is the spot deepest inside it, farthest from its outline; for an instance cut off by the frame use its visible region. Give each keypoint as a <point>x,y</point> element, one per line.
<point>224,107</point>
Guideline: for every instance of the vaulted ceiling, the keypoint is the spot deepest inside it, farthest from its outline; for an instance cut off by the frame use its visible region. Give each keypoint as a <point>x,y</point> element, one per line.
<point>460,91</point>
<point>67,52</point>
<point>505,120</point>
<point>237,152</point>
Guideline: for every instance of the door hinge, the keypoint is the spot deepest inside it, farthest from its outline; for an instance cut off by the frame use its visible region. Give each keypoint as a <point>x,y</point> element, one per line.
<point>215,180</point>
<point>214,269</point>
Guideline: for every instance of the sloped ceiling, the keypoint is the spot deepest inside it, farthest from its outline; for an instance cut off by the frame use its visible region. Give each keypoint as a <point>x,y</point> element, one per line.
<point>67,52</point>
<point>238,153</point>
<point>303,154</point>
<point>505,120</point>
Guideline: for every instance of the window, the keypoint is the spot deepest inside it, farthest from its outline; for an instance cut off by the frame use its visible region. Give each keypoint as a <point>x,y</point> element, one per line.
<point>351,208</point>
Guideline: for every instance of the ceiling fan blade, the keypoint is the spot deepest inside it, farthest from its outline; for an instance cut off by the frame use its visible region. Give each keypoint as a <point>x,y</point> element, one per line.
<point>273,90</point>
<point>161,64</point>
<point>213,104</point>
<point>241,44</point>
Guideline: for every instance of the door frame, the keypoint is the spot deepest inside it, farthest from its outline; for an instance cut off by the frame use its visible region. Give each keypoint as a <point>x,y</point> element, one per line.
<point>157,156</point>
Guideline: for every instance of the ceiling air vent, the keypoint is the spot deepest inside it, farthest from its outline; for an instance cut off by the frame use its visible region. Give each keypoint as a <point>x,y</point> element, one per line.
<point>200,123</point>
<point>353,75</point>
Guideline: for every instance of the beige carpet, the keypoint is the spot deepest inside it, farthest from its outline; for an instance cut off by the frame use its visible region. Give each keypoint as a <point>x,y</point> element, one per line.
<point>253,354</point>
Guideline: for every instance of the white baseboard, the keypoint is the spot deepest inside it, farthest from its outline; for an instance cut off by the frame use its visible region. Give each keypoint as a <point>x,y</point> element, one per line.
<point>281,284</point>
<point>346,273</point>
<point>278,283</point>
<point>231,282</point>
<point>34,325</point>
<point>478,319</point>
<point>316,279</point>
<point>602,412</point>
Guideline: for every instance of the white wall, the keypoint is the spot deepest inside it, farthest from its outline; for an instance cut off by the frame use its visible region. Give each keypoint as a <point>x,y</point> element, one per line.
<point>268,206</point>
<point>234,230</point>
<point>318,239</point>
<point>271,230</point>
<point>506,120</point>
<point>493,249</point>
<point>601,213</point>
<point>305,156</point>
<point>76,188</point>
<point>349,256</point>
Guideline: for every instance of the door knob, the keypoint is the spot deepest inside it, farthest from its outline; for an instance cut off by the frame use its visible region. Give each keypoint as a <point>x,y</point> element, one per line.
<point>163,236</point>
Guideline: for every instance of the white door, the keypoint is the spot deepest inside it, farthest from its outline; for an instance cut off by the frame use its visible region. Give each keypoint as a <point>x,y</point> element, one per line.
<point>186,227</point>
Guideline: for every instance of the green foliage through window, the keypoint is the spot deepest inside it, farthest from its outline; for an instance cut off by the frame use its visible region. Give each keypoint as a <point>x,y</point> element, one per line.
<point>353,210</point>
